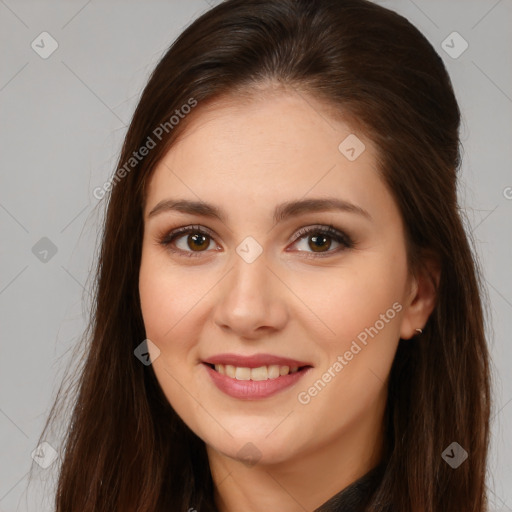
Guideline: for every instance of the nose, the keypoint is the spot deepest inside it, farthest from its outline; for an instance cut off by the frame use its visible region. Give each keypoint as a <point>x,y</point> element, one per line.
<point>251,300</point>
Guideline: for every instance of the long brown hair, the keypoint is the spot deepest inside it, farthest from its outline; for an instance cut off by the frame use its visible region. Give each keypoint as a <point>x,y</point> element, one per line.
<point>126,449</point>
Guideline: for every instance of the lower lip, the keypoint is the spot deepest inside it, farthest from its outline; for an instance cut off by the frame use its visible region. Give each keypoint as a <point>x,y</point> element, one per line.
<point>254,389</point>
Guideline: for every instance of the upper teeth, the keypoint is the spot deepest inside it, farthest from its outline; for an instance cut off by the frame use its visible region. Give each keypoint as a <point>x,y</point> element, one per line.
<point>261,373</point>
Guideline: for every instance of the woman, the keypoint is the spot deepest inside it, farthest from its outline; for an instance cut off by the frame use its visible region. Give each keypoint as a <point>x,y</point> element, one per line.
<point>288,312</point>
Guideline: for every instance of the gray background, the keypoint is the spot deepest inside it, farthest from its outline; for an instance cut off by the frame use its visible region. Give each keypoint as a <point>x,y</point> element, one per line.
<point>63,120</point>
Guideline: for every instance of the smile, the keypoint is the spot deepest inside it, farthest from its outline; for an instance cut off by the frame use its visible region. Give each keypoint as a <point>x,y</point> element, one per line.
<point>260,373</point>
<point>249,378</point>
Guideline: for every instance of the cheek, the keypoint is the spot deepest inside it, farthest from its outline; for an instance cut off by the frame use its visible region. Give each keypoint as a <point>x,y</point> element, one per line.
<point>342,302</point>
<point>166,297</point>
<point>158,301</point>
<point>363,314</point>
<point>167,308</point>
<point>174,305</point>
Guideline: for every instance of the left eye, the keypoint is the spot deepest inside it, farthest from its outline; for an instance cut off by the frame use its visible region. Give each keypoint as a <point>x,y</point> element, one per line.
<point>193,240</point>
<point>319,239</point>
<point>318,242</point>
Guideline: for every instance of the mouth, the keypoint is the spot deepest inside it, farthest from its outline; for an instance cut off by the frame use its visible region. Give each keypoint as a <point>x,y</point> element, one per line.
<point>259,373</point>
<point>254,377</point>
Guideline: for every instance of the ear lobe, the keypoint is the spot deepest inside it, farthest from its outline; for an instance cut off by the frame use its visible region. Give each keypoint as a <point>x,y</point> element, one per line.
<point>422,298</point>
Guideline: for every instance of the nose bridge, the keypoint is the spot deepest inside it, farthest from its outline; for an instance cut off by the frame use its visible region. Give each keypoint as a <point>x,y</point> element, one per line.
<point>249,297</point>
<point>248,286</point>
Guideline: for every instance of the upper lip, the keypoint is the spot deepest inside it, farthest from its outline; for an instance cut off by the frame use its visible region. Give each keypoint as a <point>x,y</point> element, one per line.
<point>254,361</point>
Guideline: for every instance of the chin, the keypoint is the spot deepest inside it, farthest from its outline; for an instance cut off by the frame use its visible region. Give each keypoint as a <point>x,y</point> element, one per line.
<point>254,448</point>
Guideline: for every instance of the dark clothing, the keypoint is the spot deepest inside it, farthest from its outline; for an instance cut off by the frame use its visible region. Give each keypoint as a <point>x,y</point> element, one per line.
<point>357,495</point>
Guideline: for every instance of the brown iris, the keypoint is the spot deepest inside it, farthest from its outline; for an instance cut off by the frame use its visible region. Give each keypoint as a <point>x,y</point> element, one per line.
<point>319,242</point>
<point>200,241</point>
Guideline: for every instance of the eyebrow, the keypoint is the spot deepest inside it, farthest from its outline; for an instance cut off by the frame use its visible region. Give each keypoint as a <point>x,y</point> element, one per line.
<point>282,212</point>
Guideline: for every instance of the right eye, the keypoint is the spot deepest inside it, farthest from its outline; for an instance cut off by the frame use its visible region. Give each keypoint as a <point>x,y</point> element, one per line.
<point>187,241</point>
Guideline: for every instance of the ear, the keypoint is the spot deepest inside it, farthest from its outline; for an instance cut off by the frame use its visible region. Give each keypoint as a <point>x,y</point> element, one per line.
<point>421,296</point>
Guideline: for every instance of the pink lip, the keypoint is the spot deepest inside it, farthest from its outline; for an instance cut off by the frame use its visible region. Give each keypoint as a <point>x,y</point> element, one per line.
<point>254,361</point>
<point>253,389</point>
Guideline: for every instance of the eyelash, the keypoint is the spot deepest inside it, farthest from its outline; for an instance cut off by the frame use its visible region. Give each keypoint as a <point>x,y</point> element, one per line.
<point>328,230</point>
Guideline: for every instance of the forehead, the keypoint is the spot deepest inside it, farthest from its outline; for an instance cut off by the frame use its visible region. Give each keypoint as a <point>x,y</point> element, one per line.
<point>258,149</point>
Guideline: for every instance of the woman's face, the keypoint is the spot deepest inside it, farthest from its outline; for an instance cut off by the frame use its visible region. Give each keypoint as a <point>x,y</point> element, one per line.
<point>258,287</point>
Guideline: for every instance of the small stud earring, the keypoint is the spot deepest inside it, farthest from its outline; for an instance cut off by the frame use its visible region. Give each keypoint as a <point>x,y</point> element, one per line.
<point>419,331</point>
